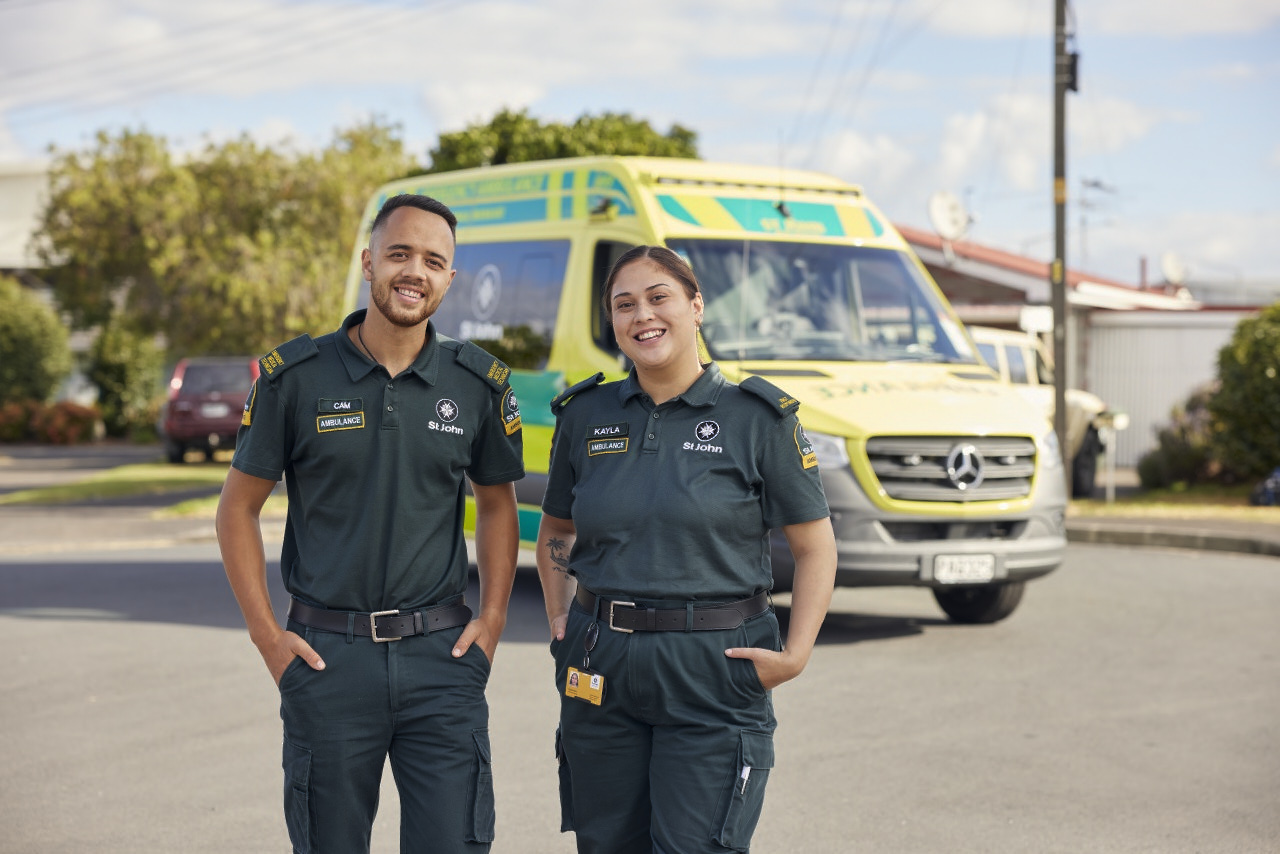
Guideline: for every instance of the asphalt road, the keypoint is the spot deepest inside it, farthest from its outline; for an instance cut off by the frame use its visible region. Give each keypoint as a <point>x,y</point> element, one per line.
<point>1129,705</point>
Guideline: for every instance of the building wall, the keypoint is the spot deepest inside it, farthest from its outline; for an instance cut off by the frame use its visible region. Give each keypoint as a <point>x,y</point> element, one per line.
<point>1145,363</point>
<point>23,190</point>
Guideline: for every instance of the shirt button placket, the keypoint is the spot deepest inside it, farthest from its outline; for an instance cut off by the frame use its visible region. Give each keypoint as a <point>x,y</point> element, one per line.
<point>653,433</point>
<point>390,411</point>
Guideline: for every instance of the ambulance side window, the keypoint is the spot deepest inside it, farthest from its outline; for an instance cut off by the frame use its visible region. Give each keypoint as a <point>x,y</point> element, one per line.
<point>505,298</point>
<point>606,253</point>
<point>1017,365</point>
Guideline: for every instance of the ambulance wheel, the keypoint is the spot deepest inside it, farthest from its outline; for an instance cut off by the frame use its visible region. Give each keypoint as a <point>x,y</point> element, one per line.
<point>988,603</point>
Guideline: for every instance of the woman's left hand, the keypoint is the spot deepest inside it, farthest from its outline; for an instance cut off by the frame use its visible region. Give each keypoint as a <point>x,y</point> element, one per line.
<point>773,668</point>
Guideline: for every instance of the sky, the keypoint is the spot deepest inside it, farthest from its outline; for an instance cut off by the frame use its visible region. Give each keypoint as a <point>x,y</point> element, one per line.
<point>1173,139</point>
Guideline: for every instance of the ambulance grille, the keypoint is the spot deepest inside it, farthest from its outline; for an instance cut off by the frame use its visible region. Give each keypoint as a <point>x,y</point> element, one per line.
<point>914,468</point>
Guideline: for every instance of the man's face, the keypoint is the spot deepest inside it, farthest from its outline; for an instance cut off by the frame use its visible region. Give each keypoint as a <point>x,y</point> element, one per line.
<point>409,266</point>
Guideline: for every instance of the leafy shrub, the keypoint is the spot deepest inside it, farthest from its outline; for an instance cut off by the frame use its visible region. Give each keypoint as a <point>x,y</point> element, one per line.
<point>1188,450</point>
<point>125,366</point>
<point>64,423</point>
<point>34,354</point>
<point>15,420</point>
<point>1247,407</point>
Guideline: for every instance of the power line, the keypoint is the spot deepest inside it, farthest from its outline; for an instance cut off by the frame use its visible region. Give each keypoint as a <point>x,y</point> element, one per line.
<point>871,66</point>
<point>817,68</point>
<point>255,58</point>
<point>262,20</point>
<point>176,56</point>
<point>838,82</point>
<point>1014,77</point>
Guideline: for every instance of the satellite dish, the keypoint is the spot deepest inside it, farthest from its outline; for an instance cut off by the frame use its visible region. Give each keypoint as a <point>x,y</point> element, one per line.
<point>948,216</point>
<point>1174,270</point>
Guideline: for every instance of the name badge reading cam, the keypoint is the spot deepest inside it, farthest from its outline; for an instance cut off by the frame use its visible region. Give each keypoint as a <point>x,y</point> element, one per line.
<point>585,685</point>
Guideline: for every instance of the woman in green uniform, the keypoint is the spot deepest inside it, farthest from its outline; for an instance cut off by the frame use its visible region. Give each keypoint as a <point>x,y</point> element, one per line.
<point>654,558</point>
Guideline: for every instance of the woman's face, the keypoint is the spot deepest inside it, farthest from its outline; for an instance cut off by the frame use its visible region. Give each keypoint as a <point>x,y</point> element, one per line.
<point>654,320</point>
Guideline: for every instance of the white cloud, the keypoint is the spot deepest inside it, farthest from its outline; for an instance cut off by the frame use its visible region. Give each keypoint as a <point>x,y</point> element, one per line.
<point>1108,125</point>
<point>872,161</point>
<point>10,150</point>
<point>1176,18</point>
<point>987,19</point>
<point>1214,245</point>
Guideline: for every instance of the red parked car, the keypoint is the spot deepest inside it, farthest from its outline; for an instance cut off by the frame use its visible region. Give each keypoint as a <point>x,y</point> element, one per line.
<point>205,404</point>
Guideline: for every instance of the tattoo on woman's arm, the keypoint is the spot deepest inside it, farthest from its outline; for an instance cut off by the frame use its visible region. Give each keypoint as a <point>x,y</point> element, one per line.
<point>558,551</point>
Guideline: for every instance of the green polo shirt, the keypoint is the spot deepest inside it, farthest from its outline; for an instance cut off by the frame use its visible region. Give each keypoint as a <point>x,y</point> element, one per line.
<point>374,465</point>
<point>676,501</point>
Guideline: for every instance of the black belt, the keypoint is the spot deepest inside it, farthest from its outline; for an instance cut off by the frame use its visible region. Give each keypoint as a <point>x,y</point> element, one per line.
<point>382,626</point>
<point>624,616</point>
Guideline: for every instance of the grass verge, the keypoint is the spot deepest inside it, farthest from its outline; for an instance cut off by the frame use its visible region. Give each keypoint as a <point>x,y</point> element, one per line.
<point>125,482</point>
<point>1206,501</point>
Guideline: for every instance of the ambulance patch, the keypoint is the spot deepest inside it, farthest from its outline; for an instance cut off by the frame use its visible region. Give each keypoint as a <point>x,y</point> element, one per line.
<point>510,412</point>
<point>247,419</point>
<point>596,447</point>
<point>808,456</point>
<point>345,421</point>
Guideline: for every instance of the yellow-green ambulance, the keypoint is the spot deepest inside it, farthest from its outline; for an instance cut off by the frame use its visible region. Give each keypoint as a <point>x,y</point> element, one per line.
<point>937,474</point>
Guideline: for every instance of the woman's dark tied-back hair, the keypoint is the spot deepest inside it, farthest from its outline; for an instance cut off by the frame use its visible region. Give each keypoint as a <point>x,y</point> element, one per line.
<point>664,258</point>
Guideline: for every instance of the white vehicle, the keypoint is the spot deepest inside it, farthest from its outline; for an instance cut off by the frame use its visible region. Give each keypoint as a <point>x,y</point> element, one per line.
<point>1025,361</point>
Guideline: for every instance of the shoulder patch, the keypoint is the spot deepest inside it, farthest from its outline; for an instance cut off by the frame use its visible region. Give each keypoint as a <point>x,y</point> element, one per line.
<point>287,355</point>
<point>782,402</point>
<point>475,359</point>
<point>563,397</point>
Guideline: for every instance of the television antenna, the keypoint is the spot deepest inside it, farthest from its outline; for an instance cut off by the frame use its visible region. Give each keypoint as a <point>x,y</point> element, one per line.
<point>950,220</point>
<point>1173,268</point>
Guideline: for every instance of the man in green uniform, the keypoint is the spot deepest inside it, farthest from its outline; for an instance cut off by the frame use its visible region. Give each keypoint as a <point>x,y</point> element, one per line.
<point>374,427</point>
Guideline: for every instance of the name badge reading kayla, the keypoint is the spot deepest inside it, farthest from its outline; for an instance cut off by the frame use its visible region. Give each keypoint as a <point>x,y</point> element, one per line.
<point>585,685</point>
<point>607,439</point>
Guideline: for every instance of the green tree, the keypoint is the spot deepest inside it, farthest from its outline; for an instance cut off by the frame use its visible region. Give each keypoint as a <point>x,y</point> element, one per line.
<point>34,355</point>
<point>517,137</point>
<point>125,366</point>
<point>105,215</point>
<point>1246,408</point>
<point>228,252</point>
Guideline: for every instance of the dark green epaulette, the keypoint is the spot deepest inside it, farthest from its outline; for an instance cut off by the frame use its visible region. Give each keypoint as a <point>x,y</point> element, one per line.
<point>473,357</point>
<point>783,403</point>
<point>287,355</point>
<point>563,397</point>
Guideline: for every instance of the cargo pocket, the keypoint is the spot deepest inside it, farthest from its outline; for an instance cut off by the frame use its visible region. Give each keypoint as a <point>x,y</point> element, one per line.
<point>746,797</point>
<point>480,827</point>
<point>297,796</point>
<point>566,786</point>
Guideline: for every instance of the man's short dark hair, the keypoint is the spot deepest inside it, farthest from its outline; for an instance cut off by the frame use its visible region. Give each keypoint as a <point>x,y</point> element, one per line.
<point>422,203</point>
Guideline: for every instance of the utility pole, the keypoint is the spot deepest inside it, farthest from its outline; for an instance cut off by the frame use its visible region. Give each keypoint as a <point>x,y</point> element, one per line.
<point>1064,78</point>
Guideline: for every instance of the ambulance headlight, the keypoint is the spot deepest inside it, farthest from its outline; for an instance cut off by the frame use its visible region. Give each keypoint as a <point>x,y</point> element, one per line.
<point>831,450</point>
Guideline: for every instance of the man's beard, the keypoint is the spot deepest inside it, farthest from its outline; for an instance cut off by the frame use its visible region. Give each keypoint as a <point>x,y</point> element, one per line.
<point>384,300</point>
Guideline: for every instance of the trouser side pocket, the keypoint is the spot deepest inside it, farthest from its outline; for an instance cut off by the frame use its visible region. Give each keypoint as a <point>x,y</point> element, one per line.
<point>297,796</point>
<point>482,809</point>
<point>566,786</point>
<point>746,795</point>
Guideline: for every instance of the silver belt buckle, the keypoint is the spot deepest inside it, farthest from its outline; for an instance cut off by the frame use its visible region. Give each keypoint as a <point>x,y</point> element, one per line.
<point>613,603</point>
<point>373,625</point>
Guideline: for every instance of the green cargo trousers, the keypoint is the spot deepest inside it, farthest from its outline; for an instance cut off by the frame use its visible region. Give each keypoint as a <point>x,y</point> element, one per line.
<point>410,700</point>
<point>676,758</point>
